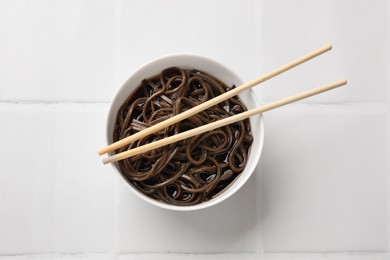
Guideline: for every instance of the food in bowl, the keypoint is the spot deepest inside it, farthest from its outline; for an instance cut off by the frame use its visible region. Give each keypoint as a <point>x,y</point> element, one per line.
<point>193,170</point>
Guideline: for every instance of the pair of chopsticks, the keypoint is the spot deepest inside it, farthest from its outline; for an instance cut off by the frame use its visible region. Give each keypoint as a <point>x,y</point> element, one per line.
<point>214,101</point>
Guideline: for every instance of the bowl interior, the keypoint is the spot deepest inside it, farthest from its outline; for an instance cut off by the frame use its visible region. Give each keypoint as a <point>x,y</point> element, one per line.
<point>220,72</point>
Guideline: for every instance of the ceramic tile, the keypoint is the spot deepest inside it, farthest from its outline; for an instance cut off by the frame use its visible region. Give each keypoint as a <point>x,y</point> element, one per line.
<point>388,51</point>
<point>323,182</point>
<point>57,50</point>
<point>387,140</point>
<point>56,196</point>
<point>227,227</point>
<point>357,30</point>
<point>171,256</point>
<point>200,28</point>
<point>221,30</point>
<point>268,256</point>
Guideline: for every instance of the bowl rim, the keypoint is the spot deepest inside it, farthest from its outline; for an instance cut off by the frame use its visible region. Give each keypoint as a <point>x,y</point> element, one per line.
<point>231,188</point>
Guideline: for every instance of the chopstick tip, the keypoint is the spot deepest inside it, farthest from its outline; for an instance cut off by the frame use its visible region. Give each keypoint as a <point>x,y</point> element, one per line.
<point>106,161</point>
<point>101,151</point>
<point>343,82</point>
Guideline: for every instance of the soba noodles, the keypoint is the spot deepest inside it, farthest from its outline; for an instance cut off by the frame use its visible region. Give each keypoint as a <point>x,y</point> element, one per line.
<point>193,170</point>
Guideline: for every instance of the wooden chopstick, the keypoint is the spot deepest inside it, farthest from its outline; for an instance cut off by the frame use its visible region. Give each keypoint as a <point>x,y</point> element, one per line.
<point>223,122</point>
<point>214,101</point>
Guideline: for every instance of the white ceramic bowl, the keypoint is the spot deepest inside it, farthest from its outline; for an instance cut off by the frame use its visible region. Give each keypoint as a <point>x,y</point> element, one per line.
<point>220,72</point>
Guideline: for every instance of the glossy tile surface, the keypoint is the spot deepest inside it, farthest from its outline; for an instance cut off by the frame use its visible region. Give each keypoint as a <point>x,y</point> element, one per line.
<point>321,190</point>
<point>324,180</point>
<point>55,194</point>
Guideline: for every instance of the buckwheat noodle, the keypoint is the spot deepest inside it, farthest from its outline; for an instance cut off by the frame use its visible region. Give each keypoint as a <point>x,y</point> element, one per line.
<point>193,170</point>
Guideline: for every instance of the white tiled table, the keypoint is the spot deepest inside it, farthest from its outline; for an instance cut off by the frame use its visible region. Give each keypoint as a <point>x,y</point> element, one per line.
<point>320,191</point>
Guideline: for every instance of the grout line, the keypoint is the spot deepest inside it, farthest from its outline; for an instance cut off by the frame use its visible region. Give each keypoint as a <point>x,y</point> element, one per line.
<point>118,31</point>
<point>387,50</point>
<point>50,102</point>
<point>258,33</point>
<point>139,254</point>
<point>118,46</point>
<point>387,85</point>
<point>54,255</point>
<point>116,249</point>
<point>259,178</point>
<point>254,253</point>
<point>388,175</point>
<point>258,6</point>
<point>184,253</point>
<point>327,253</point>
<point>363,106</point>
<point>370,103</point>
<point>263,101</point>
